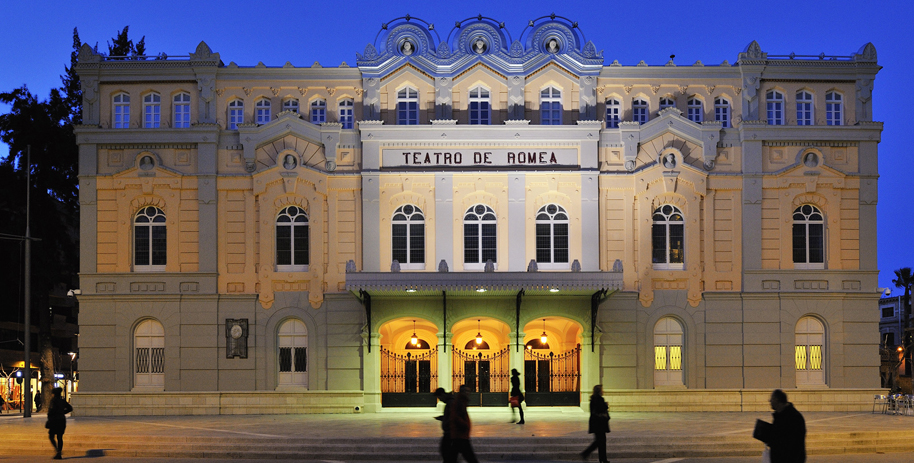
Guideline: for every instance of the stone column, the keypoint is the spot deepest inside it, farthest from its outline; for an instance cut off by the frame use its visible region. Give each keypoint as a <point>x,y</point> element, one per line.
<point>372,371</point>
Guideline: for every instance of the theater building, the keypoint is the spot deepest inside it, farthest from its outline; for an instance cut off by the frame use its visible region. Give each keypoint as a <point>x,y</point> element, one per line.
<point>346,239</point>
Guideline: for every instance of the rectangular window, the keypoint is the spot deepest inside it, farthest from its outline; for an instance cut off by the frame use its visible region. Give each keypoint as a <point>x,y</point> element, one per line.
<point>157,360</point>
<point>816,243</point>
<point>158,245</point>
<point>675,357</point>
<point>658,243</point>
<point>141,245</point>
<point>121,116</point>
<point>775,113</point>
<point>152,116</point>
<point>398,243</point>
<point>301,359</point>
<point>676,243</point>
<point>283,245</point>
<point>660,357</point>
<point>346,118</point>
<point>182,115</point>
<point>285,359</point>
<point>417,243</point>
<point>543,243</point>
<point>142,360</point>
<point>800,354</point>
<point>815,357</point>
<point>301,245</point>
<point>888,312</point>
<point>471,243</point>
<point>560,242</point>
<point>407,113</point>
<point>488,243</point>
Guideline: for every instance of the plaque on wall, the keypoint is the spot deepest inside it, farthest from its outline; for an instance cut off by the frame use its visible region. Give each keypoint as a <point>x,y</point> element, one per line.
<point>236,338</point>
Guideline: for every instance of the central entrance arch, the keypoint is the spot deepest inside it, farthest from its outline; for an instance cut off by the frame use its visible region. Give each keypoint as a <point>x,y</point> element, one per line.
<point>480,358</point>
<point>552,361</point>
<point>409,363</point>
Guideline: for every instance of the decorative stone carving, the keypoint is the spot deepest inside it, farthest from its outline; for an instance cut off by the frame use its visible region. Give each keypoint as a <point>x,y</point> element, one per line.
<point>395,266</point>
<point>617,266</point>
<point>490,266</point>
<point>630,165</point>
<point>532,267</point>
<point>576,266</point>
<point>442,266</point>
<point>204,53</point>
<point>275,91</point>
<point>247,91</point>
<point>350,266</point>
<point>754,51</point>
<point>628,89</point>
<point>750,87</point>
<point>88,55</point>
<point>236,338</point>
<point>330,166</point>
<point>444,51</point>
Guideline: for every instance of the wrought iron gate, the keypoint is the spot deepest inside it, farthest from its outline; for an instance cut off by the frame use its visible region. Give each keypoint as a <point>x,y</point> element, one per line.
<point>407,380</point>
<point>551,379</point>
<point>487,376</point>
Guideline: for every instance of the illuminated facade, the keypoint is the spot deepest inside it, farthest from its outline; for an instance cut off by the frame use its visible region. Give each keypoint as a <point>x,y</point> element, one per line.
<point>273,239</point>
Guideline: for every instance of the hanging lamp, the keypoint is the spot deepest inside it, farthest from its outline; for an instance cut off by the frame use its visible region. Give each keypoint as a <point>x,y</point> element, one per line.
<point>544,338</point>
<point>414,340</point>
<point>478,333</point>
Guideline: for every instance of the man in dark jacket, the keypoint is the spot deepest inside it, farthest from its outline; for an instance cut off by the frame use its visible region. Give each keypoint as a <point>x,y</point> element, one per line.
<point>787,435</point>
<point>447,452</point>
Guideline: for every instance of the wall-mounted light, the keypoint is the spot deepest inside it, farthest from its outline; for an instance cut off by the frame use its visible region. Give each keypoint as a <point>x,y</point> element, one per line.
<point>544,338</point>
<point>478,333</point>
<point>414,340</point>
<point>480,290</point>
<point>410,290</point>
<point>553,290</point>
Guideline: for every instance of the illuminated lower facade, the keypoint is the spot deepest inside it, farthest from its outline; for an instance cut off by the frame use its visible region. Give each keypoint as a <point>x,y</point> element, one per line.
<point>340,239</point>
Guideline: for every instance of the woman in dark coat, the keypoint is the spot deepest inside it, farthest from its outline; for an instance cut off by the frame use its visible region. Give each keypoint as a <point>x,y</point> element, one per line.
<point>57,420</point>
<point>517,397</point>
<point>599,424</point>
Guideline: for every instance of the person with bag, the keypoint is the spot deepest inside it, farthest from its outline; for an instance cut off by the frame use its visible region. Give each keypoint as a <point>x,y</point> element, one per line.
<point>517,397</point>
<point>786,435</point>
<point>598,425</point>
<point>460,426</point>
<point>57,420</point>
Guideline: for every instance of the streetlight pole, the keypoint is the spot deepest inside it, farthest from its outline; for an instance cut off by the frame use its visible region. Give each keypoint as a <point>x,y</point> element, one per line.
<point>27,400</point>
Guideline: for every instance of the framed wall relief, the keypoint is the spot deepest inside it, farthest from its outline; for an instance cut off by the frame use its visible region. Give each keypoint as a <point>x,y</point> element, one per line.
<point>236,338</point>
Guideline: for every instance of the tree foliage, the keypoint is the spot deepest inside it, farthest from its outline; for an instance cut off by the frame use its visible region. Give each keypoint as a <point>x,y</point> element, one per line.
<point>121,47</point>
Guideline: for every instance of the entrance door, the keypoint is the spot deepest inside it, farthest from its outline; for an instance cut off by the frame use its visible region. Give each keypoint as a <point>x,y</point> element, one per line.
<point>293,354</point>
<point>486,375</point>
<point>552,379</point>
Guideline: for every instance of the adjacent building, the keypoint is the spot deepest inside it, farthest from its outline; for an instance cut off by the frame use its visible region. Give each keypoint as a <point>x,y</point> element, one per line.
<point>291,239</point>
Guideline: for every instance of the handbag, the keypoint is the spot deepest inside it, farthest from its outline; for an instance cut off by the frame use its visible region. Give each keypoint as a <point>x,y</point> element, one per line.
<point>514,401</point>
<point>766,455</point>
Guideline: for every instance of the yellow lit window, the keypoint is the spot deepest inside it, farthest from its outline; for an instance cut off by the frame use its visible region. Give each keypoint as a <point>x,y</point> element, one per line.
<point>660,357</point>
<point>675,357</point>
<point>815,357</point>
<point>801,357</point>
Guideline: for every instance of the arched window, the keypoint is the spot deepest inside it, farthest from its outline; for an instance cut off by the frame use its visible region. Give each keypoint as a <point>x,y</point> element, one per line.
<point>722,111</point>
<point>695,110</point>
<point>181,106</point>
<point>290,104</point>
<point>152,111</point>
<point>479,106</point>
<point>833,112</point>
<point>293,354</point>
<point>149,355</point>
<point>775,101</point>
<point>149,240</point>
<point>552,237</point>
<point>808,237</point>
<point>668,353</point>
<point>613,113</point>
<point>346,113</point>
<point>667,238</point>
<point>318,111</point>
<point>640,111</point>
<point>479,236</point>
<point>292,240</point>
<point>408,237</point>
<point>805,114</point>
<point>262,111</point>
<point>551,106</point>
<point>236,114</point>
<point>809,352</point>
<point>408,106</point>
<point>121,111</point>
<point>666,103</point>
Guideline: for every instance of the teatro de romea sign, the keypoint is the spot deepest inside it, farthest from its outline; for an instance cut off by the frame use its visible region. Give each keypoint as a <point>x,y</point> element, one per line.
<point>472,158</point>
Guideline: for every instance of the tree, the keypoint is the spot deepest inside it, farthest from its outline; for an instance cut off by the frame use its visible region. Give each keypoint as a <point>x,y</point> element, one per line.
<point>124,48</point>
<point>905,280</point>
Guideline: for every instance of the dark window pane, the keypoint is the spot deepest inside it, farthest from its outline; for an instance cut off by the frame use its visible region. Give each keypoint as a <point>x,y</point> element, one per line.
<point>142,360</point>
<point>658,243</point>
<point>676,244</point>
<point>816,243</point>
<point>158,246</point>
<point>285,359</point>
<point>543,242</point>
<point>489,242</point>
<point>301,245</point>
<point>799,243</point>
<point>141,245</point>
<point>301,359</point>
<point>417,243</point>
<point>283,245</point>
<point>157,360</point>
<point>471,243</point>
<point>398,244</point>
<point>560,242</point>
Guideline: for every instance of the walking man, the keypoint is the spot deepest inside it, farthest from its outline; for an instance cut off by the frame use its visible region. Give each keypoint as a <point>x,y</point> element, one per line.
<point>787,434</point>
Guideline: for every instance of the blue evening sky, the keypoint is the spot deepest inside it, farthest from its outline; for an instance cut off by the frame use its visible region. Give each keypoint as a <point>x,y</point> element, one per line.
<point>36,38</point>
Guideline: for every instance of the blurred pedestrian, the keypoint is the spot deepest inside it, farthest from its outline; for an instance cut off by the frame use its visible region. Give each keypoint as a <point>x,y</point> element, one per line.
<point>2,404</point>
<point>446,449</point>
<point>786,436</point>
<point>57,420</point>
<point>517,397</point>
<point>460,426</point>
<point>598,425</point>
<point>37,401</point>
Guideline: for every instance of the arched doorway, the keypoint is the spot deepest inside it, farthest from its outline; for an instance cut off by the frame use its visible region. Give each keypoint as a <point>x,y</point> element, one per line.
<point>668,353</point>
<point>409,363</point>
<point>480,360</point>
<point>293,354</point>
<point>149,356</point>
<point>552,362</point>
<point>809,352</point>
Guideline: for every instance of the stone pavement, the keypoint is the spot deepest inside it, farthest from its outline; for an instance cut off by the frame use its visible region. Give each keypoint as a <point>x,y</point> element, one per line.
<point>646,434</point>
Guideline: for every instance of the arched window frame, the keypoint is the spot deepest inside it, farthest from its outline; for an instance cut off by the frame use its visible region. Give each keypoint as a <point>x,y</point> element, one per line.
<point>480,107</point>
<point>808,237</point>
<point>318,111</point>
<point>613,113</point>
<point>290,104</point>
<point>550,106</point>
<point>346,113</point>
<point>668,238</point>
<point>235,113</point>
<point>407,106</point>
<point>640,111</point>
<point>834,108</point>
<point>263,111</point>
<point>805,108</point>
<point>120,113</point>
<point>480,237</point>
<point>292,240</point>
<point>152,110</point>
<point>666,102</point>
<point>669,352</point>
<point>150,240</point>
<point>292,354</point>
<point>180,104</point>
<point>408,237</point>
<point>695,110</point>
<point>149,356</point>
<point>722,111</point>
<point>810,352</point>
<point>774,103</point>
<point>552,237</point>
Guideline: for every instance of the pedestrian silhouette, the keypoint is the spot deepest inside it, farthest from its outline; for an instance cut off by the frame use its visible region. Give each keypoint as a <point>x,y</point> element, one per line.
<point>598,425</point>
<point>57,420</point>
<point>786,435</point>
<point>517,397</point>
<point>460,426</point>
<point>445,447</point>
